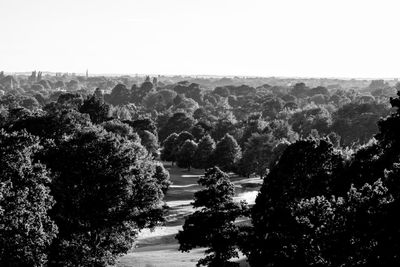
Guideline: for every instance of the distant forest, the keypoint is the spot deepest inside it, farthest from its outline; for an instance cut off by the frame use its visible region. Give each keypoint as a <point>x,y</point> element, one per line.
<point>81,167</point>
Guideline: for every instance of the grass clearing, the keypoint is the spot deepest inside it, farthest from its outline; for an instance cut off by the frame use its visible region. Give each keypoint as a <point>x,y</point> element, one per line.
<point>158,247</point>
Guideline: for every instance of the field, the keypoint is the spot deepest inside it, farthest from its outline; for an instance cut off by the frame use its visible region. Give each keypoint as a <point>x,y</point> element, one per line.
<point>159,247</point>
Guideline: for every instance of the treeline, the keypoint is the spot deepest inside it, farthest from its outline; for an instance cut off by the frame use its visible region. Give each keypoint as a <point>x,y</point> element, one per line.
<point>80,176</point>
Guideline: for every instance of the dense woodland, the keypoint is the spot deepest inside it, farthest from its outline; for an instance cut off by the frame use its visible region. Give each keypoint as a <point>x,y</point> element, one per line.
<point>81,168</point>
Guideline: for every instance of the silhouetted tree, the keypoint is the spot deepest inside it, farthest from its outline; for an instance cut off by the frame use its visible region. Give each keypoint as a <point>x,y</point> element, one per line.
<point>168,151</point>
<point>203,158</point>
<point>177,123</point>
<point>212,225</point>
<point>257,155</point>
<point>150,142</point>
<point>119,95</point>
<point>186,153</point>
<point>227,153</point>
<point>97,109</point>
<point>342,231</point>
<point>70,100</point>
<point>105,192</point>
<point>306,168</point>
<point>26,230</point>
<point>162,176</point>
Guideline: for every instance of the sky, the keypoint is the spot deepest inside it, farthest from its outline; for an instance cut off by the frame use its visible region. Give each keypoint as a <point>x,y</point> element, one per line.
<point>284,38</point>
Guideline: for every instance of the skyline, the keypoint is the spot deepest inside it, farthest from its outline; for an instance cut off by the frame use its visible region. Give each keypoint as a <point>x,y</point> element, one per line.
<point>307,39</point>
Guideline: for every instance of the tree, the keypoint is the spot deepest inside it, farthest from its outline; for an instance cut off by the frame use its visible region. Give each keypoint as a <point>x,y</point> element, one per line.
<point>54,124</point>
<point>227,153</point>
<point>318,90</point>
<point>177,123</point>
<point>257,155</point>
<point>187,105</point>
<point>59,84</point>
<point>342,231</point>
<point>37,87</point>
<point>358,122</point>
<point>306,215</point>
<point>318,99</point>
<point>182,137</point>
<point>98,110</point>
<point>105,191</point>
<point>169,144</point>
<point>120,95</point>
<point>198,131</point>
<point>26,230</point>
<point>306,168</point>
<point>120,128</point>
<point>139,93</point>
<point>160,100</point>
<point>30,103</point>
<point>162,176</point>
<point>186,153</point>
<point>212,225</point>
<point>70,100</point>
<point>204,153</point>
<point>73,85</point>
<point>200,114</point>
<point>271,107</point>
<point>300,90</point>
<point>150,142</point>
<point>222,91</point>
<point>143,125</point>
<point>379,159</point>
<point>310,118</point>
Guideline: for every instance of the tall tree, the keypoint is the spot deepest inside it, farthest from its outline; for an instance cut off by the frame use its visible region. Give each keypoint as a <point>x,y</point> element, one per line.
<point>343,231</point>
<point>212,225</point>
<point>169,144</point>
<point>97,109</point>
<point>306,168</point>
<point>227,153</point>
<point>186,153</point>
<point>182,137</point>
<point>177,123</point>
<point>120,95</point>
<point>105,191</point>
<point>204,153</point>
<point>162,176</point>
<point>150,142</point>
<point>26,230</point>
<point>257,155</point>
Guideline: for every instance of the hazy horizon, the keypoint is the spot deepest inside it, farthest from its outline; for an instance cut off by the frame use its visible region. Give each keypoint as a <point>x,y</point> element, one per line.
<point>194,75</point>
<point>302,39</point>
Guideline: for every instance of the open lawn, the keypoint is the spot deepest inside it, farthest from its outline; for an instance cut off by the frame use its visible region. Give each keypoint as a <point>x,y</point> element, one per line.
<point>159,247</point>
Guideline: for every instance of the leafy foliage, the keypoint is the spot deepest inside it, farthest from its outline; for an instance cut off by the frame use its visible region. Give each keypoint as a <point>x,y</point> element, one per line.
<point>258,155</point>
<point>168,150</point>
<point>26,230</point>
<point>96,108</point>
<point>106,191</point>
<point>342,231</point>
<point>203,157</point>
<point>212,225</point>
<point>186,154</point>
<point>227,153</point>
<point>306,168</point>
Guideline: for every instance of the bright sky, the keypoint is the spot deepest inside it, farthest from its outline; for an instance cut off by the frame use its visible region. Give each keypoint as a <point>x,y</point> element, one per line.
<point>302,38</point>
